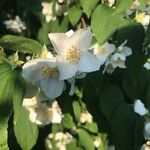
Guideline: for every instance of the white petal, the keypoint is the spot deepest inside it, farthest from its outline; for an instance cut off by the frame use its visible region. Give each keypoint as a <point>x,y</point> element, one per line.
<point>140,108</point>
<point>69,33</point>
<point>52,88</point>
<point>126,51</point>
<point>31,71</point>
<point>82,39</point>
<point>66,70</point>
<point>59,41</point>
<point>32,116</point>
<point>147,131</point>
<point>88,63</point>
<point>56,117</point>
<point>47,62</point>
<point>147,65</point>
<point>108,67</point>
<point>102,55</point>
<point>102,59</point>
<point>117,56</point>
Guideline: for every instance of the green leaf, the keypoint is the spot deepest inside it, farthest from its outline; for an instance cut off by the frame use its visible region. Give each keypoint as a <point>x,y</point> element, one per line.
<point>26,132</point>
<point>6,91</point>
<point>104,139</point>
<point>123,125</point>
<point>72,145</point>
<point>52,26</point>
<point>74,14</point>
<point>91,127</point>
<point>122,5</point>
<point>110,100</point>
<point>43,33</point>
<point>77,109</point>
<point>138,132</point>
<point>130,86</point>
<point>147,96</point>
<point>104,23</point>
<point>147,37</point>
<point>85,140</point>
<point>88,6</point>
<point>67,121</point>
<point>21,44</point>
<point>57,128</point>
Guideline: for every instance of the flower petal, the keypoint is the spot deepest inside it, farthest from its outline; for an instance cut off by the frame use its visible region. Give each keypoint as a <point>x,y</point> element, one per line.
<point>102,52</point>
<point>69,33</point>
<point>88,63</point>
<point>52,88</point>
<point>47,62</point>
<point>66,70</point>
<point>59,41</point>
<point>126,51</point>
<point>140,108</point>
<point>147,65</point>
<point>31,71</point>
<point>82,39</point>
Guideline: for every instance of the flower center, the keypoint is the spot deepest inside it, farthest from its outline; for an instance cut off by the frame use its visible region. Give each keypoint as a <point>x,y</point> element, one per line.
<point>73,55</point>
<point>102,50</point>
<point>140,17</point>
<point>119,61</point>
<point>50,72</point>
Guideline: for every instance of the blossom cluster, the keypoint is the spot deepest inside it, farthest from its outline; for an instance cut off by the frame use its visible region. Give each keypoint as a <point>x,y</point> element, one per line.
<point>141,16</point>
<point>41,111</point>
<point>62,139</point>
<point>74,58</point>
<point>60,8</point>
<point>15,25</point>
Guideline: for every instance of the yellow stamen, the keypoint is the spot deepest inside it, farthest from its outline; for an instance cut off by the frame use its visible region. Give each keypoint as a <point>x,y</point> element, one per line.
<point>50,72</point>
<point>73,55</point>
<point>139,17</point>
<point>102,50</point>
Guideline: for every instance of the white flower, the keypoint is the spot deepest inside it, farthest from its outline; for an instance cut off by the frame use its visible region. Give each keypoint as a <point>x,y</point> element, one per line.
<point>62,139</point>
<point>143,18</point>
<point>102,52</point>
<point>73,53</point>
<point>15,25</point>
<point>146,146</point>
<point>79,75</point>
<point>147,131</point>
<point>47,11</point>
<point>86,117</point>
<point>57,114</point>
<point>118,58</point>
<point>44,73</point>
<point>135,5</point>
<point>140,108</point>
<point>40,112</point>
<point>147,65</point>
